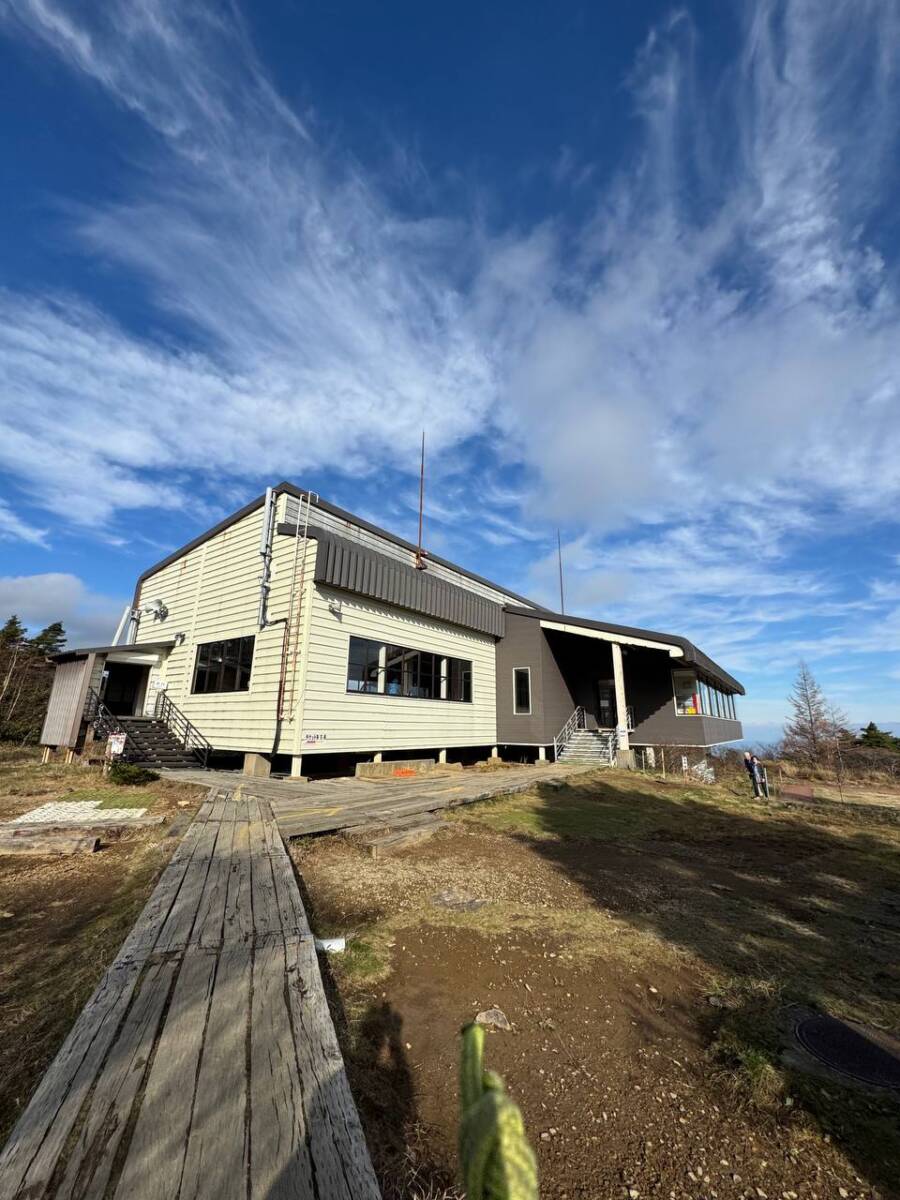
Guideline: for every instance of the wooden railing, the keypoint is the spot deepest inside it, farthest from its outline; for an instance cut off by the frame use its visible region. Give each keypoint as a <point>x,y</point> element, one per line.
<point>192,740</point>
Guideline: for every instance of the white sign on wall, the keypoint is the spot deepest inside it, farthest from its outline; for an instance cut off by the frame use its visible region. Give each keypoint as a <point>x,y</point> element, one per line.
<point>313,739</point>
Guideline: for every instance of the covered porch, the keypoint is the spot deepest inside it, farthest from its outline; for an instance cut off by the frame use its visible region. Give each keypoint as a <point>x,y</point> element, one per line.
<point>111,679</point>
<point>576,679</point>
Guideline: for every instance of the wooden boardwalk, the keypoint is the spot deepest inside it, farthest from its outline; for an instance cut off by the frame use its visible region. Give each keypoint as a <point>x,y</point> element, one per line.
<point>317,807</point>
<point>205,1065</point>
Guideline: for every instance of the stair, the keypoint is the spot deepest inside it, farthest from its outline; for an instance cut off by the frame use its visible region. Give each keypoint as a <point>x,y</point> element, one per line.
<point>597,746</point>
<point>151,742</point>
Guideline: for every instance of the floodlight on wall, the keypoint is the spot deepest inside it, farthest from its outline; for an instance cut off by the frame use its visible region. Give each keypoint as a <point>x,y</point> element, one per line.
<point>335,607</point>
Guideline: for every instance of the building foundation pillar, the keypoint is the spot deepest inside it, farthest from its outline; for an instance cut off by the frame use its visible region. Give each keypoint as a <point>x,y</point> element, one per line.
<point>257,764</point>
<point>442,756</point>
<point>542,753</point>
<point>296,765</point>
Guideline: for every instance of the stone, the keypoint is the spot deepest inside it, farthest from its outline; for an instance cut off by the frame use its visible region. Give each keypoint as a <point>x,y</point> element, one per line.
<point>458,901</point>
<point>493,1018</point>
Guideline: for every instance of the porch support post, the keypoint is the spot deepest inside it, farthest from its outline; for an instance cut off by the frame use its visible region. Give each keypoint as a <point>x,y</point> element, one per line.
<point>621,703</point>
<point>542,753</point>
<point>377,756</point>
<point>442,756</point>
<point>297,765</point>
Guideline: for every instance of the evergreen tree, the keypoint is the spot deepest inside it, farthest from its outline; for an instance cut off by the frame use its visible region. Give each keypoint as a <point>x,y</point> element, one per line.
<point>13,633</point>
<point>810,734</point>
<point>50,640</point>
<point>25,678</point>
<point>877,739</point>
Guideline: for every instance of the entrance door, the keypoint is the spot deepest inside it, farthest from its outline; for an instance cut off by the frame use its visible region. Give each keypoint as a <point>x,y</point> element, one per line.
<point>606,704</point>
<point>124,688</point>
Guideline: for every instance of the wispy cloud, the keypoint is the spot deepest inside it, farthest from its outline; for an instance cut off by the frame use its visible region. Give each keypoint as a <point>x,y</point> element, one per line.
<point>14,529</point>
<point>698,378</point>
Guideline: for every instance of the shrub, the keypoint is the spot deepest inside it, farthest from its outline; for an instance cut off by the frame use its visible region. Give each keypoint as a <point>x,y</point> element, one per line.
<point>127,775</point>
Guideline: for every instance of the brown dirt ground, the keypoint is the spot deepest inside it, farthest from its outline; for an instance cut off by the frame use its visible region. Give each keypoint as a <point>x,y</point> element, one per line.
<point>62,919</point>
<point>643,974</point>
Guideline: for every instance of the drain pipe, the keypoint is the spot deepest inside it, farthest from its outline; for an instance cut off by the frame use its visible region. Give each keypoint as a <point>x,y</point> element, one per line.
<point>265,553</point>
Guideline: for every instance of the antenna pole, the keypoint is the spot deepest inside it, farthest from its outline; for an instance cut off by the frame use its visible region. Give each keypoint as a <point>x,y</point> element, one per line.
<point>419,562</point>
<point>562,598</point>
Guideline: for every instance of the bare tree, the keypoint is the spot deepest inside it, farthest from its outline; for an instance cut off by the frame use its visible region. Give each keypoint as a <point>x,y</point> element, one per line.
<point>811,732</point>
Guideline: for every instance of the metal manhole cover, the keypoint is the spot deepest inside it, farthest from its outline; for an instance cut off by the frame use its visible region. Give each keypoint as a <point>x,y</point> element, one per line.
<point>865,1054</point>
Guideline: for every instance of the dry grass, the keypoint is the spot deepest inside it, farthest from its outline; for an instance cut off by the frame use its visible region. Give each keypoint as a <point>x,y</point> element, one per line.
<point>62,920</point>
<point>767,906</point>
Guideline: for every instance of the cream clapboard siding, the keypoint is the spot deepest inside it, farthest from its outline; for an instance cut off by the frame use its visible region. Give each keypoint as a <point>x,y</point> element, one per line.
<point>363,723</point>
<point>212,593</point>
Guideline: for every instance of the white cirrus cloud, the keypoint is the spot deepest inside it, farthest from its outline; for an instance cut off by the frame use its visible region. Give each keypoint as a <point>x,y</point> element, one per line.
<point>687,379</point>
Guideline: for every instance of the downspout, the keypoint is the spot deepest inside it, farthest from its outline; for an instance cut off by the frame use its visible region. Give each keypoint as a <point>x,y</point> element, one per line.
<point>265,553</point>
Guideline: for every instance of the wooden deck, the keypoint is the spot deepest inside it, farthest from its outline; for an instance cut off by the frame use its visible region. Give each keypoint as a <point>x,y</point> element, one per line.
<point>206,1063</point>
<point>317,807</point>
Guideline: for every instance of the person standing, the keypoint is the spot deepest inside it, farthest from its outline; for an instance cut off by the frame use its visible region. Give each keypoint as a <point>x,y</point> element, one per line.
<point>752,767</point>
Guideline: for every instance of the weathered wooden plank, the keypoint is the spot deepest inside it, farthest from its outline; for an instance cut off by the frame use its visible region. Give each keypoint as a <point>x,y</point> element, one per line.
<point>237,924</point>
<point>217,1161</point>
<point>342,1163</point>
<point>47,843</point>
<point>266,913</point>
<point>30,1156</point>
<point>105,1115</point>
<point>280,1164</point>
<point>209,922</point>
<point>153,1166</point>
<point>287,892</point>
<point>177,927</point>
<point>143,937</point>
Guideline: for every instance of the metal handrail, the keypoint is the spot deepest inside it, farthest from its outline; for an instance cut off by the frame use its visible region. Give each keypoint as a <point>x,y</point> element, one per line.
<point>192,740</point>
<point>97,714</point>
<point>576,721</point>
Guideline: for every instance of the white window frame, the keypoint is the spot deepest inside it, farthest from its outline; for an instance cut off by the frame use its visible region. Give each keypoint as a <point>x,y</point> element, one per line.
<point>521,712</point>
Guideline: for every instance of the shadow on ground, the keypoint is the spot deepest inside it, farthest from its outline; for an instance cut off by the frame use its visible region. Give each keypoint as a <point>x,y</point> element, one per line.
<point>788,912</point>
<point>380,1077</point>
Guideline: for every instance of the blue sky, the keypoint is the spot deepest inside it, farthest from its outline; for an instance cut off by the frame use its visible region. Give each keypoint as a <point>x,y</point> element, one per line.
<point>633,267</point>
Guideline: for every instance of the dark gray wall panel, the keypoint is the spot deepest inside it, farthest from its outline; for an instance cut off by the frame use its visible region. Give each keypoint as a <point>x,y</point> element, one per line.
<point>648,687</point>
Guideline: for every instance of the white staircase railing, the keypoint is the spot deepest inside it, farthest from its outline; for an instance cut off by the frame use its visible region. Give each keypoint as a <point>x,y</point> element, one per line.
<point>576,721</point>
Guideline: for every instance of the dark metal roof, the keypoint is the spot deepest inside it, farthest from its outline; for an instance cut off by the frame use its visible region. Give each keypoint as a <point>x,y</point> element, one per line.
<point>347,565</point>
<point>691,654</point>
<point>341,513</point>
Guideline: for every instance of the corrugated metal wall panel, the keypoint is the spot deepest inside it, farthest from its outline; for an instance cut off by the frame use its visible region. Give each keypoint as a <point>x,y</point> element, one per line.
<point>344,564</point>
<point>65,697</point>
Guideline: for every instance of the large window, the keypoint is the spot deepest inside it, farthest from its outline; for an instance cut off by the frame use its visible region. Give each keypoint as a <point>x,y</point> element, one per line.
<point>521,691</point>
<point>694,696</point>
<point>363,668</point>
<point>687,698</point>
<point>224,666</point>
<point>392,670</point>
